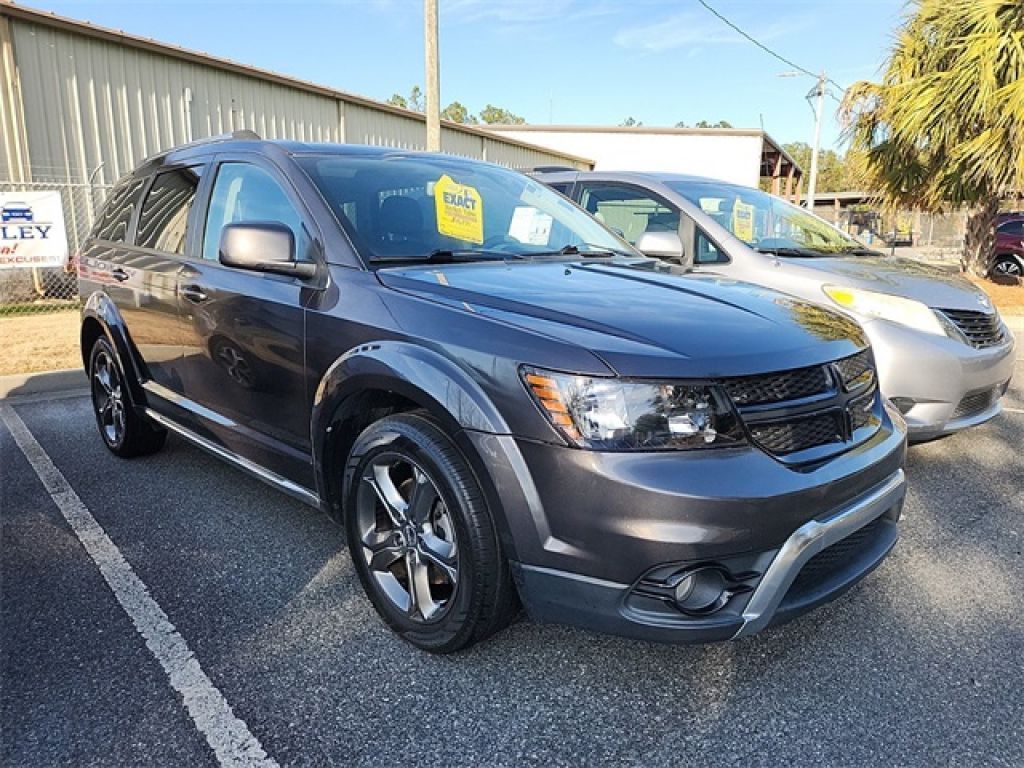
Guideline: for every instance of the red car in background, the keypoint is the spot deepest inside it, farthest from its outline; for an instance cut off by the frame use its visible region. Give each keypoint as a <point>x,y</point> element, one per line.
<point>1009,254</point>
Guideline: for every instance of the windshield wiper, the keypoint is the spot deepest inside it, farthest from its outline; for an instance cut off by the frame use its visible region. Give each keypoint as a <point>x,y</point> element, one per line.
<point>448,256</point>
<point>598,251</point>
<point>807,253</point>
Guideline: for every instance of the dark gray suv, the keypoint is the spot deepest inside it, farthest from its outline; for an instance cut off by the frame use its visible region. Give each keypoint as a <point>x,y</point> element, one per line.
<point>498,398</point>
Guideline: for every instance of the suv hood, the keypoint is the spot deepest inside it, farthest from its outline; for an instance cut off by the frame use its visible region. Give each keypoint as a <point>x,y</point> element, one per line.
<point>903,277</point>
<point>641,317</point>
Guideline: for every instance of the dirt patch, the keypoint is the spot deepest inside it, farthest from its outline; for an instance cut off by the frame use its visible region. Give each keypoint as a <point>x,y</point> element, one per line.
<point>1009,298</point>
<point>30,343</point>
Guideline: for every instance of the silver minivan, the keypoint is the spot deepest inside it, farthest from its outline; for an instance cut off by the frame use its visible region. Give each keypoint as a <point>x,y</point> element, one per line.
<point>944,355</point>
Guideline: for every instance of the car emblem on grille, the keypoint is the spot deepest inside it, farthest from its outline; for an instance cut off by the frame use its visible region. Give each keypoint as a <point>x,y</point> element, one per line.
<point>983,300</point>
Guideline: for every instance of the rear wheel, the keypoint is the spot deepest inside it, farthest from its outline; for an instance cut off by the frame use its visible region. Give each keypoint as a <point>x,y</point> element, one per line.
<point>124,431</point>
<point>422,538</point>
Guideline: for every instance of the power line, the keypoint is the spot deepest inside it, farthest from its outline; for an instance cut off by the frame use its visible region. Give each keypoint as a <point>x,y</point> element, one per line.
<point>765,48</point>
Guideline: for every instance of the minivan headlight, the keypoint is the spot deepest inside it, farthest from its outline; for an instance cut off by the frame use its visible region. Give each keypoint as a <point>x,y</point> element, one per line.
<point>885,306</point>
<point>607,414</point>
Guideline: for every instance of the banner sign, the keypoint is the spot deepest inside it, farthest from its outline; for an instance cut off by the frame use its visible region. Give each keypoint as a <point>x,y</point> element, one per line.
<point>32,230</point>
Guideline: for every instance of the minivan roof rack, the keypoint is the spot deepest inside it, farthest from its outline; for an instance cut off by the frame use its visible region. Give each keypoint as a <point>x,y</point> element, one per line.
<point>552,168</point>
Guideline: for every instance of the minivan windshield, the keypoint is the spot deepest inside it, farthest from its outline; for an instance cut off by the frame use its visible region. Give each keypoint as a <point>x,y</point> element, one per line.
<point>767,223</point>
<point>403,208</point>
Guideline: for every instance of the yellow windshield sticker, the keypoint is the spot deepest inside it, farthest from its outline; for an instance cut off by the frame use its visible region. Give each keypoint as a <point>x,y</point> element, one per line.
<point>460,210</point>
<point>743,221</point>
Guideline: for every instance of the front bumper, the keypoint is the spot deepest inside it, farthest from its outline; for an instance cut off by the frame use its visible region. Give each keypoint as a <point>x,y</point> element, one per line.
<point>596,537</point>
<point>941,385</point>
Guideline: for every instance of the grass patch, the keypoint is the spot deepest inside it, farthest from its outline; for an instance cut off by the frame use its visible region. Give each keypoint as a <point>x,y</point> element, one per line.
<point>34,341</point>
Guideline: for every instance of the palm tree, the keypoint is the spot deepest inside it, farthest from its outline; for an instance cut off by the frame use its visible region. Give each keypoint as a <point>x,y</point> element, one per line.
<point>945,126</point>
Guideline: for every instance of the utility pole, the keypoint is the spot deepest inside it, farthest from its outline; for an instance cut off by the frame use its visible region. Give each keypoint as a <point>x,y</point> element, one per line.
<point>819,92</point>
<point>433,76</point>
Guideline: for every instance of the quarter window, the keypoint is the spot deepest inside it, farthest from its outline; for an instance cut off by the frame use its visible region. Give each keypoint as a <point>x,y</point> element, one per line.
<point>1012,228</point>
<point>117,213</point>
<point>163,222</point>
<point>629,211</point>
<point>707,252</point>
<point>247,193</point>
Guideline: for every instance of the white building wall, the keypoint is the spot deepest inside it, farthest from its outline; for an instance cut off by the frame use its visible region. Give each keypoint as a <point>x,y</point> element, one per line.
<point>730,157</point>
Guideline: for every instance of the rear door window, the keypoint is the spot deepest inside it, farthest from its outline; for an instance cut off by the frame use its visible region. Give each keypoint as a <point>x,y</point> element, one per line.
<point>163,221</point>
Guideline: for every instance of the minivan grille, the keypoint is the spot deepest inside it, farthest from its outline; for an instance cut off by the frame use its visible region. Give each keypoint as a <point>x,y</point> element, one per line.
<point>982,329</point>
<point>974,403</point>
<point>826,407</point>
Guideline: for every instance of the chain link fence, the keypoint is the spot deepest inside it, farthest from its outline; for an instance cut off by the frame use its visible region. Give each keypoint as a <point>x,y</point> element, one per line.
<point>27,290</point>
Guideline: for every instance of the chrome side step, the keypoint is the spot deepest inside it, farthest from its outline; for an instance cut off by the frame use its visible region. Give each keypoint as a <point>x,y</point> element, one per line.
<point>260,473</point>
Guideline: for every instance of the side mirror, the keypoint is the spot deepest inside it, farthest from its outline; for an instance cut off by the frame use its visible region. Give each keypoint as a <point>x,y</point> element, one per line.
<point>661,245</point>
<point>262,246</point>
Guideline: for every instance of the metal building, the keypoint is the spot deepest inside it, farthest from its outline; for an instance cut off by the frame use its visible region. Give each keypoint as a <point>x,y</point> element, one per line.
<point>742,156</point>
<point>84,104</point>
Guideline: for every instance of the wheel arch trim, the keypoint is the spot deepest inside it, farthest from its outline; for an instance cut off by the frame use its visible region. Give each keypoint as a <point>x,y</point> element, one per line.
<point>100,308</point>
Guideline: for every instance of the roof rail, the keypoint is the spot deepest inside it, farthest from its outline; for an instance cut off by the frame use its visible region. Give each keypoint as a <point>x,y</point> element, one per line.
<point>552,168</point>
<point>243,135</point>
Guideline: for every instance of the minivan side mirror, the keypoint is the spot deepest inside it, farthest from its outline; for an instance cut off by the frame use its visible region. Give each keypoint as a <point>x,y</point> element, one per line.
<point>661,245</point>
<point>262,246</point>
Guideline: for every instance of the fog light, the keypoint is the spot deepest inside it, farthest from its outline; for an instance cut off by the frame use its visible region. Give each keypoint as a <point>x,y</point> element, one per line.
<point>702,591</point>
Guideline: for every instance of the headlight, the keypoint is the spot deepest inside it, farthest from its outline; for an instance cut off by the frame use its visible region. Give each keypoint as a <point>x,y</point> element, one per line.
<point>896,309</point>
<point>618,415</point>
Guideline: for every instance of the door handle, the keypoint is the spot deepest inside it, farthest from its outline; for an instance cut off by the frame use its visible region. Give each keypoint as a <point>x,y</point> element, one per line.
<point>119,274</point>
<point>193,293</point>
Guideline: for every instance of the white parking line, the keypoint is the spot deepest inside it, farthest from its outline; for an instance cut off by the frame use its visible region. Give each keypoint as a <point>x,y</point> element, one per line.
<point>227,735</point>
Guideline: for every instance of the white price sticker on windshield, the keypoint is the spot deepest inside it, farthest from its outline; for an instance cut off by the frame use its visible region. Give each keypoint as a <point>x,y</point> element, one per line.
<point>530,226</point>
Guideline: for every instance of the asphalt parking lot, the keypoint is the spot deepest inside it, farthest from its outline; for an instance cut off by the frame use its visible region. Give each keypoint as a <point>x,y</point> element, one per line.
<point>922,664</point>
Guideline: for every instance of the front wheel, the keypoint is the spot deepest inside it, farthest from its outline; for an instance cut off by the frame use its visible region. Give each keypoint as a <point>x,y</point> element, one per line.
<point>1006,266</point>
<point>422,538</point>
<point>124,431</point>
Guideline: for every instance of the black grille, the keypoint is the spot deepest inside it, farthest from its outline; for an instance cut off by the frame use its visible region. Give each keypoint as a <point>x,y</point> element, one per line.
<point>798,435</point>
<point>976,402</point>
<point>981,328</point>
<point>835,558</point>
<point>862,411</point>
<point>856,371</point>
<point>777,387</point>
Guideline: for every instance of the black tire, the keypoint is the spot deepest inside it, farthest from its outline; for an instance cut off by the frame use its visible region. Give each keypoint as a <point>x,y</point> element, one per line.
<point>123,430</point>
<point>449,523</point>
<point>1005,265</point>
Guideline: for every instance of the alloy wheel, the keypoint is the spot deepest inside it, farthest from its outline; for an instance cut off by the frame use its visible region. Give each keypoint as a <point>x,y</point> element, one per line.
<point>1006,267</point>
<point>108,398</point>
<point>408,537</point>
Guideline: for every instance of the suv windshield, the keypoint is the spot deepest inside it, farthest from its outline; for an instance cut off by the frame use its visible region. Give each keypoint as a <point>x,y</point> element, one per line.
<point>413,208</point>
<point>767,223</point>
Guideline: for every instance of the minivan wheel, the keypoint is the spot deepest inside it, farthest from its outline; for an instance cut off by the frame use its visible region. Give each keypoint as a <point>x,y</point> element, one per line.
<point>124,431</point>
<point>422,538</point>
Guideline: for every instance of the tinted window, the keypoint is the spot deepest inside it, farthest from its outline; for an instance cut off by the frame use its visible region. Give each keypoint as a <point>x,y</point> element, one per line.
<point>562,188</point>
<point>164,218</point>
<point>396,208</point>
<point>117,213</point>
<point>1012,228</point>
<point>629,210</point>
<point>244,192</point>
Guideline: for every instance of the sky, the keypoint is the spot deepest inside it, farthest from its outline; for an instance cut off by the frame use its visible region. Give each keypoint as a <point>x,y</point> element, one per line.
<point>561,61</point>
